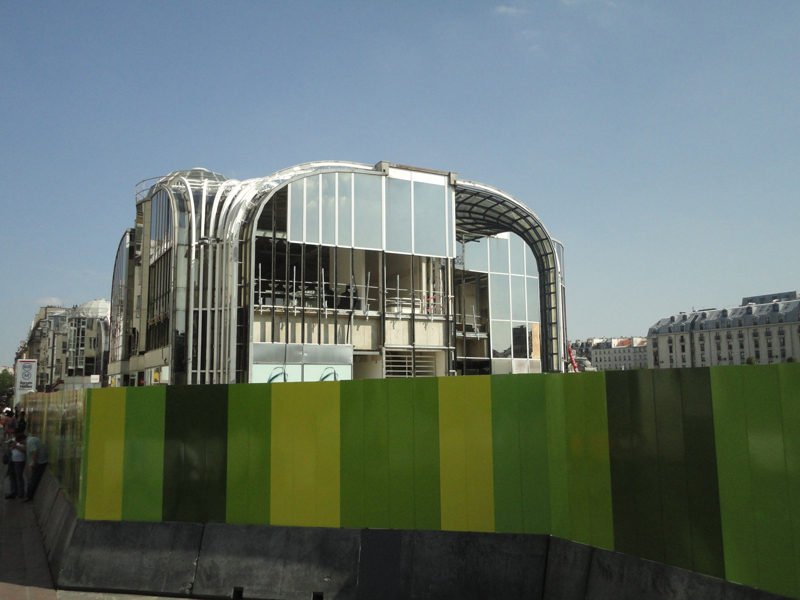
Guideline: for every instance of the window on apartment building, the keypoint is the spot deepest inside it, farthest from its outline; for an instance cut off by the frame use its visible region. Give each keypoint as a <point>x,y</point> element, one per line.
<point>730,355</point>
<point>716,336</point>
<point>683,347</point>
<point>741,356</point>
<point>63,346</point>
<point>702,337</point>
<point>741,344</point>
<point>755,344</point>
<point>782,341</point>
<point>783,352</point>
<point>769,343</point>
<point>719,357</point>
<point>702,358</point>
<point>739,323</point>
<point>740,335</point>
<point>729,336</point>
<point>730,346</point>
<point>780,331</point>
<point>768,332</point>
<point>755,332</point>
<point>758,355</point>
<point>767,320</point>
<point>683,359</point>
<point>670,349</point>
<point>702,325</point>
<point>702,347</point>
<point>671,360</point>
<point>719,346</point>
<point>769,354</point>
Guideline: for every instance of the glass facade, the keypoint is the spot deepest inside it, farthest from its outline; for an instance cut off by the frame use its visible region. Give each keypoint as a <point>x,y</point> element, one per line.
<point>372,266</point>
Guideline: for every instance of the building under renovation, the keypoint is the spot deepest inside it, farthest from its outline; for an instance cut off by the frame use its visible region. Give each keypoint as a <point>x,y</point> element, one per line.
<point>332,270</point>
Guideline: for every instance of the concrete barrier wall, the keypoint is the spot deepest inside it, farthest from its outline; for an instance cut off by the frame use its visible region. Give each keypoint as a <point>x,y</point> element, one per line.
<point>694,468</point>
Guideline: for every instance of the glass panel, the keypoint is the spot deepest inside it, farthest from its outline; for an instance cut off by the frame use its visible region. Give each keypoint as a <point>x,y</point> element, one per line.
<point>499,302</point>
<point>533,298</point>
<point>328,201</point>
<point>398,215</point>
<point>519,339</point>
<point>498,255</point>
<point>312,209</point>
<point>517,255</point>
<point>368,212</point>
<point>518,298</point>
<point>501,339</point>
<point>296,211</point>
<point>345,199</point>
<point>429,219</point>
<point>477,257</point>
<point>530,263</point>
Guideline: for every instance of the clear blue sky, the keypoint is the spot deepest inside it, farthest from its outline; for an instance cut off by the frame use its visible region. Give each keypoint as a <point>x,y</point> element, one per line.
<point>659,141</point>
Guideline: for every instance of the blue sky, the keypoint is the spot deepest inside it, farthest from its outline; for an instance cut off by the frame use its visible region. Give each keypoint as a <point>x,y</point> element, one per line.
<point>659,141</point>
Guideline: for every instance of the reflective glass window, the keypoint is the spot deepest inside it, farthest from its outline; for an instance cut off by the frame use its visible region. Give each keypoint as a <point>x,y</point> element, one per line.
<point>498,255</point>
<point>296,211</point>
<point>560,254</point>
<point>499,302</point>
<point>530,263</point>
<point>519,340</point>
<point>328,201</point>
<point>533,298</point>
<point>312,209</point>
<point>368,213</point>
<point>501,339</point>
<point>476,257</point>
<point>430,232</point>
<point>517,254</point>
<point>398,215</point>
<point>345,192</point>
<point>518,298</point>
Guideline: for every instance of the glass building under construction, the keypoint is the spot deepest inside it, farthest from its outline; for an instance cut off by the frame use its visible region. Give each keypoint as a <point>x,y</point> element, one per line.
<point>332,270</point>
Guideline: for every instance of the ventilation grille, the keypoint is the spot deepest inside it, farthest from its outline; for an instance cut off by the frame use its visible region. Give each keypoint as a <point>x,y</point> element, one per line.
<point>399,363</point>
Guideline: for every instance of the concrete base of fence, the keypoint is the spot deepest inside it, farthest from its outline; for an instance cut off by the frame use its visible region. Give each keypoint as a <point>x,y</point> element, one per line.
<point>292,563</point>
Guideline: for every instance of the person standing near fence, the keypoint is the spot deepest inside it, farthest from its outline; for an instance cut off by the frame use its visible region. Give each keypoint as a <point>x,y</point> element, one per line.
<point>16,468</point>
<point>37,456</point>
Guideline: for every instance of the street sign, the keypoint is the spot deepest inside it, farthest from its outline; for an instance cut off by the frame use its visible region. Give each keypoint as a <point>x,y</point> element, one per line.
<point>25,377</point>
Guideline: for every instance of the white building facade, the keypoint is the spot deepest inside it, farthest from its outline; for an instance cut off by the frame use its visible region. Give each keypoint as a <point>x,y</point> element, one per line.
<point>766,333</point>
<point>620,354</point>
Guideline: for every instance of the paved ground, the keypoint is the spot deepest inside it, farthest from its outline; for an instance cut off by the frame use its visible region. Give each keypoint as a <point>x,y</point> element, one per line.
<point>24,573</point>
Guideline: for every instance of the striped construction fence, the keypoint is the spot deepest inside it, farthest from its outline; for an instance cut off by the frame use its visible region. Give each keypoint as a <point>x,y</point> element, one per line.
<point>695,468</point>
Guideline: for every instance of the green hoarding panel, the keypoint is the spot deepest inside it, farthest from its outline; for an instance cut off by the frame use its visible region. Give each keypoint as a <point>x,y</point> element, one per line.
<point>578,463</point>
<point>427,499</point>
<point>701,472</point>
<point>81,508</point>
<point>771,500</point>
<point>789,377</point>
<point>352,453</point>
<point>143,462</point>
<point>649,510</point>
<point>376,454</point>
<point>733,470</point>
<point>672,468</point>
<point>534,452</point>
<point>400,397</point>
<point>249,453</point>
<point>506,454</point>
<point>195,453</point>
<point>621,439</point>
<point>599,481</point>
<point>557,451</point>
